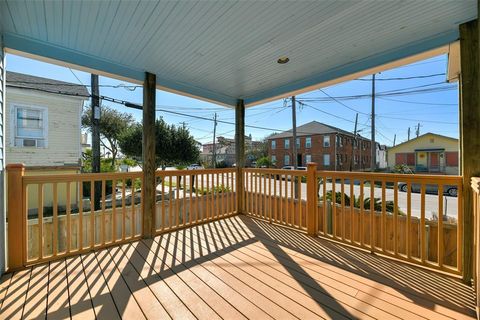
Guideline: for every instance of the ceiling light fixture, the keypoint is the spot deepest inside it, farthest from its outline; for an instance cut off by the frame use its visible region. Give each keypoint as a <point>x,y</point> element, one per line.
<point>283,60</point>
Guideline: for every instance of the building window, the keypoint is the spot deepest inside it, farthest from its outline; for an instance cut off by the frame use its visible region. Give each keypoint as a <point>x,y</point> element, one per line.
<point>274,144</point>
<point>30,127</point>
<point>286,160</point>
<point>308,142</point>
<point>287,143</point>
<point>298,143</point>
<point>326,141</point>
<point>274,159</point>
<point>339,141</point>
<point>326,159</point>
<point>308,158</point>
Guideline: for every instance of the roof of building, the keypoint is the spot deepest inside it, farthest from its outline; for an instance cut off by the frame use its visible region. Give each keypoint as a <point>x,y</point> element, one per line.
<point>311,128</point>
<point>421,136</point>
<point>25,81</point>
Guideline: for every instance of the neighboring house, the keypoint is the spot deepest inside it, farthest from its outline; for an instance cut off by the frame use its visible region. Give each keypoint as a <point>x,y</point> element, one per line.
<point>225,150</point>
<point>43,126</point>
<point>330,147</point>
<point>381,156</point>
<point>428,153</point>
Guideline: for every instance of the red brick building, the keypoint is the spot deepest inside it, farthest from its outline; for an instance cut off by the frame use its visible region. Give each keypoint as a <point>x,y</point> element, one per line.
<point>331,148</point>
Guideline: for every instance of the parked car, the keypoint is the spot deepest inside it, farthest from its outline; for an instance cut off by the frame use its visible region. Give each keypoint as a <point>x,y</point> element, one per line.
<point>194,166</point>
<point>286,176</point>
<point>429,188</point>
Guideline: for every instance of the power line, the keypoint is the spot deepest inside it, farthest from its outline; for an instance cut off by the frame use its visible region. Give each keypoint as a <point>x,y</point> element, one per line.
<point>422,103</point>
<point>416,120</point>
<point>405,78</point>
<point>341,103</point>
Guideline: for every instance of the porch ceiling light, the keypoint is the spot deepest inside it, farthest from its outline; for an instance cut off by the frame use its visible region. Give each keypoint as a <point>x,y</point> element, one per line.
<point>283,60</point>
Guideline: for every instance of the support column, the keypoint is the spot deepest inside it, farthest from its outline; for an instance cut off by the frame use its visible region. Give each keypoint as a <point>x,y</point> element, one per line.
<point>2,158</point>
<point>469,133</point>
<point>148,156</point>
<point>16,216</point>
<point>240,151</point>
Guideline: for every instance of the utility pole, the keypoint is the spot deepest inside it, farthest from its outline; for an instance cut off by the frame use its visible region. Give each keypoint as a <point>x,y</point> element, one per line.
<point>394,139</point>
<point>214,151</point>
<point>294,131</point>
<point>417,132</point>
<point>354,140</point>
<point>373,147</point>
<point>408,139</point>
<point>96,137</point>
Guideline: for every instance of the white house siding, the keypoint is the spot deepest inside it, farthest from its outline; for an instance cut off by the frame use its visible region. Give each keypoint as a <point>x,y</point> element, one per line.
<point>2,157</point>
<point>64,132</point>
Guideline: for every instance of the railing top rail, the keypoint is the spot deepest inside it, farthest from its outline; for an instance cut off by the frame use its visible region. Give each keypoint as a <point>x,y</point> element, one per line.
<point>32,179</point>
<point>392,176</point>
<point>162,173</point>
<point>475,183</point>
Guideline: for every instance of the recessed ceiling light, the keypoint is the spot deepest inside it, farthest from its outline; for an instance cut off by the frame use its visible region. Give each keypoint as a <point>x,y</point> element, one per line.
<point>283,60</point>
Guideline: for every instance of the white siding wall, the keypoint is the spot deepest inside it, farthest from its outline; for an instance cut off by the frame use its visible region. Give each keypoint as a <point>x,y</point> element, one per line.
<point>63,129</point>
<point>2,162</point>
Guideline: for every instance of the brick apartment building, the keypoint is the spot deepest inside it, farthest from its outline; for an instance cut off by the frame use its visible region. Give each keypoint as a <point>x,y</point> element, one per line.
<point>329,147</point>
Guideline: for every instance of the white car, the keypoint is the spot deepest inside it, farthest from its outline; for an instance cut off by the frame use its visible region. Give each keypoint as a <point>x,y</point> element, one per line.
<point>288,177</point>
<point>194,166</point>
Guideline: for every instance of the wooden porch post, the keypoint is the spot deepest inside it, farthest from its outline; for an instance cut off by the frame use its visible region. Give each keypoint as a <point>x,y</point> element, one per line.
<point>312,198</point>
<point>239,151</point>
<point>148,156</point>
<point>469,133</point>
<point>15,216</point>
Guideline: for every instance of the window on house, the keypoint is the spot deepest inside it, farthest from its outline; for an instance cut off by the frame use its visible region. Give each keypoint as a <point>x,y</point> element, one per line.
<point>308,142</point>
<point>287,143</point>
<point>274,159</point>
<point>298,143</point>
<point>286,160</point>
<point>326,160</point>
<point>308,158</point>
<point>30,126</point>
<point>274,144</point>
<point>326,141</point>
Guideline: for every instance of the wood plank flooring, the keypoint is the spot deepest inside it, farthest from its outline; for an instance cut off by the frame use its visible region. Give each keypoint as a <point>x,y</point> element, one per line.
<point>234,268</point>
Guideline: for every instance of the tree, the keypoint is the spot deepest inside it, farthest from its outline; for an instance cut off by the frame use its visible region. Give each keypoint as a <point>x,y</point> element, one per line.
<point>112,125</point>
<point>173,145</point>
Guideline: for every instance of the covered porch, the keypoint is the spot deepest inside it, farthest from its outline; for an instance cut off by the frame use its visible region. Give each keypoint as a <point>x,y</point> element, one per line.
<point>242,243</point>
<point>234,268</point>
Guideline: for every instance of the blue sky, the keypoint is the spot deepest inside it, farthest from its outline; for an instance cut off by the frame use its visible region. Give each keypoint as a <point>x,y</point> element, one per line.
<point>436,110</point>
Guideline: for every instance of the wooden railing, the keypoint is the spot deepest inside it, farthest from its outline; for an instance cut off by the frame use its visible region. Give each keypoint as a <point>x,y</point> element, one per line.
<point>476,228</point>
<point>416,218</point>
<point>188,197</point>
<point>53,216</point>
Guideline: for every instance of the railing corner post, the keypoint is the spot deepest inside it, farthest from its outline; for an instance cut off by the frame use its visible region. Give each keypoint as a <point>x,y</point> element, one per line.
<point>15,216</point>
<point>311,198</point>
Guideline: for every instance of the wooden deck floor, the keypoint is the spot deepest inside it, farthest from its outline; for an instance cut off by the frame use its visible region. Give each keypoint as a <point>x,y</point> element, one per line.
<point>233,269</point>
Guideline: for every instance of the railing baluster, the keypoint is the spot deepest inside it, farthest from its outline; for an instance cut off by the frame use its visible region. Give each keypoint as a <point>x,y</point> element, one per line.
<point>361,218</point>
<point>299,202</point>
<point>291,212</point>
<point>40,220</point>
<point>207,199</point>
<point>184,200</point>
<point>423,248</point>
<point>440,226</point>
<point>280,200</point>
<point>342,217</point>
<point>395,217</point>
<point>274,197</point>
<point>55,246</point>
<point>372,213</point>
<point>132,207</point>
<point>334,207</point>
<point>80,216</point>
<point>68,210</point>
<point>92,214</point>
<point>409,219</point>
<point>114,210</point>
<point>460,225</point>
<point>223,195</point>
<point>352,211</point>
<point>102,225</point>
<point>384,217</point>
<point>265,204</point>
<point>171,198</point>
<point>124,226</point>
<point>162,218</point>
<point>325,228</point>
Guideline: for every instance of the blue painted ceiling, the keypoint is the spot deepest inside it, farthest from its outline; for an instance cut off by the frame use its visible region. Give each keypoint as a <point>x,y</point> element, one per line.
<point>225,50</point>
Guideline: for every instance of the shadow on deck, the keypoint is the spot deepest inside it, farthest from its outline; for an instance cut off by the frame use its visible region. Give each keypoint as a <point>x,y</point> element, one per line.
<point>234,268</point>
